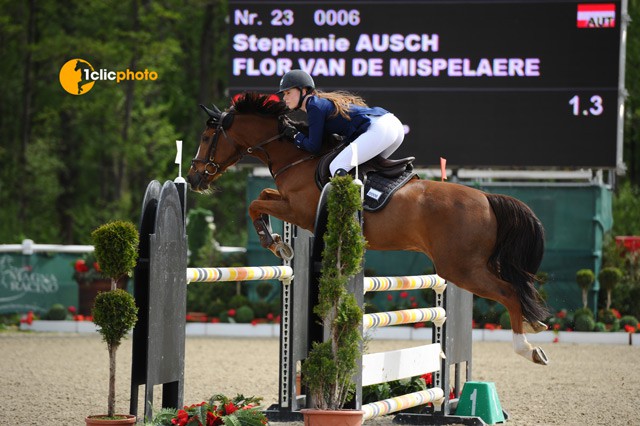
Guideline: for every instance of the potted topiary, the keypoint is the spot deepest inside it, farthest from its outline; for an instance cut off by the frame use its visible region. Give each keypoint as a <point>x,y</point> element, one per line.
<point>609,277</point>
<point>115,311</point>
<point>584,278</point>
<point>328,371</point>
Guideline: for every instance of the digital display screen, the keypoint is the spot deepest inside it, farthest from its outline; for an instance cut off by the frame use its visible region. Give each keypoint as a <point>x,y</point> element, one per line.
<point>481,83</point>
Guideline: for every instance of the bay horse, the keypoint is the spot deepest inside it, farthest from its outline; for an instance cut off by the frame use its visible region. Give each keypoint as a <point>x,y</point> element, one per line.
<point>488,244</point>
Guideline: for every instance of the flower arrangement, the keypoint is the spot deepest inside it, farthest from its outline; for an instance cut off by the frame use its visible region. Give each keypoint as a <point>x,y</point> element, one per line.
<point>219,410</point>
<point>87,269</point>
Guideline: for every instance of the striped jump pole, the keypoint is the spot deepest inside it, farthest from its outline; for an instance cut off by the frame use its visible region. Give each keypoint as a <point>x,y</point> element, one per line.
<point>247,273</point>
<point>405,316</point>
<point>416,282</point>
<point>399,403</point>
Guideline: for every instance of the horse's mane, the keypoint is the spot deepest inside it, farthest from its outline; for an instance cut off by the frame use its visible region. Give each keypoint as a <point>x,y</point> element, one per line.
<point>256,103</point>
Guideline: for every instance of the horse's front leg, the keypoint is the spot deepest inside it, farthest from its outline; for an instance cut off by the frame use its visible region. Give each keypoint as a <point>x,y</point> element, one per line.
<point>270,203</point>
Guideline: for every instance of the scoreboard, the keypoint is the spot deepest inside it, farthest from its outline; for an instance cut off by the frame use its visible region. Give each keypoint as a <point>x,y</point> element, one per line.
<point>526,84</point>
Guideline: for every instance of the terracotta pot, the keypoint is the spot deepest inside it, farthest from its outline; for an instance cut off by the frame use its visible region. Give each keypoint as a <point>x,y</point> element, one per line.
<point>332,417</point>
<point>128,419</point>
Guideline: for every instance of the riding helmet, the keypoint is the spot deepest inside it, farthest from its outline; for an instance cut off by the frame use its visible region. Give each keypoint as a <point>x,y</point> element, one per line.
<point>296,78</point>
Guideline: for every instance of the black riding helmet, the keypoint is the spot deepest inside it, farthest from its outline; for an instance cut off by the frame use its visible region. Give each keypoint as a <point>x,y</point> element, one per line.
<point>297,79</point>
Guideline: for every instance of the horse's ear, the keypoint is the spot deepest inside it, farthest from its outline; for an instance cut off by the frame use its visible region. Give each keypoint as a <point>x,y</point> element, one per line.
<point>211,113</point>
<point>216,109</point>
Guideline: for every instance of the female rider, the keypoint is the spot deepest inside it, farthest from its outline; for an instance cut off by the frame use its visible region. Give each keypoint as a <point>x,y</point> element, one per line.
<point>373,129</point>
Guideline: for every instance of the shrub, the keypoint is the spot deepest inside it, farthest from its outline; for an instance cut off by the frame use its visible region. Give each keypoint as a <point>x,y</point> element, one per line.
<point>585,278</point>
<point>57,312</point>
<point>609,278</point>
<point>244,314</point>
<point>505,321</point>
<point>116,248</point>
<point>607,316</point>
<point>237,301</point>
<point>261,309</point>
<point>584,323</point>
<point>583,311</point>
<point>215,308</point>
<point>600,327</point>
<point>629,320</point>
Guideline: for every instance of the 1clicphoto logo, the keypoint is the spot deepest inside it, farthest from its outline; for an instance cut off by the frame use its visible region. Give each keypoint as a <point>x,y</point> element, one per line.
<point>72,77</point>
<point>78,76</point>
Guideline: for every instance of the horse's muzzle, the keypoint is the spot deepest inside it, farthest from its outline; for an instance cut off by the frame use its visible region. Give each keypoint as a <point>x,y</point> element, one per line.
<point>197,182</point>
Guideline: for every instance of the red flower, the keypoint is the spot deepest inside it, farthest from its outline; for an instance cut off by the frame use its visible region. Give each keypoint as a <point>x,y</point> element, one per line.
<point>629,328</point>
<point>561,314</point>
<point>277,319</point>
<point>254,322</point>
<point>215,320</point>
<point>616,313</point>
<point>78,318</point>
<point>231,312</point>
<point>414,305</point>
<point>428,379</point>
<point>556,327</point>
<point>418,325</point>
<point>81,266</point>
<point>212,419</point>
<point>404,294</point>
<point>412,299</point>
<point>96,266</point>
<point>181,419</point>
<point>489,326</point>
<point>556,340</point>
<point>72,310</point>
<point>230,408</point>
<point>389,297</point>
<point>270,316</point>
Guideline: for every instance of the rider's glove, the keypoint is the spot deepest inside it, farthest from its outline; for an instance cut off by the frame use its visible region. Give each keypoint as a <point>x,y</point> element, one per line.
<point>290,132</point>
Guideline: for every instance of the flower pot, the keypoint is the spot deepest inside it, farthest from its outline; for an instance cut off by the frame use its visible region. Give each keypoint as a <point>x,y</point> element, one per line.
<point>127,419</point>
<point>332,417</point>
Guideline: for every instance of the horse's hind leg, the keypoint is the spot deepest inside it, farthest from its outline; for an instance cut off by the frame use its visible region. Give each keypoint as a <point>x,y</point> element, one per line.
<point>484,284</point>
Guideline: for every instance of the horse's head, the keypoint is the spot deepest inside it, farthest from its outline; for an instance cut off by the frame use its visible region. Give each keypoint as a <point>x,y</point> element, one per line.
<point>222,145</point>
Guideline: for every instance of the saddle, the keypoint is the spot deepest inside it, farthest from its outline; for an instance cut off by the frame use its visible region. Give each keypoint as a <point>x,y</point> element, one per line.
<point>381,177</point>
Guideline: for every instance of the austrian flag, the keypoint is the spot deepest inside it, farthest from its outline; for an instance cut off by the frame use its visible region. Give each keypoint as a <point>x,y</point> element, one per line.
<point>596,15</point>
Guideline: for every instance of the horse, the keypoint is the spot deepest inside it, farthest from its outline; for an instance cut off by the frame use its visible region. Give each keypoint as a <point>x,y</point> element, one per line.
<point>489,244</point>
<point>82,66</point>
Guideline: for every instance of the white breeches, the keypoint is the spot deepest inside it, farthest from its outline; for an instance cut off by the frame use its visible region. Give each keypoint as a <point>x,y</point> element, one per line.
<point>384,136</point>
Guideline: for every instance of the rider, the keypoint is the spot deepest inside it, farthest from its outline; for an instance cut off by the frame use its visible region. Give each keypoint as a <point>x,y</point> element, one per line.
<point>373,129</point>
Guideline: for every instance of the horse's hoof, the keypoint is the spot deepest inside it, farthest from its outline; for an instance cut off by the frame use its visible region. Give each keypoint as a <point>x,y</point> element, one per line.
<point>284,251</point>
<point>535,327</point>
<point>539,357</point>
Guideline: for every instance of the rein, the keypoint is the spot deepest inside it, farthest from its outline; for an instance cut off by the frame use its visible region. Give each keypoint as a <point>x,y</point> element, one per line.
<point>240,151</point>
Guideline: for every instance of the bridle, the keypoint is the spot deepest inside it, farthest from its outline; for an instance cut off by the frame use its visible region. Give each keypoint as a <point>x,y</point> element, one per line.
<point>222,121</point>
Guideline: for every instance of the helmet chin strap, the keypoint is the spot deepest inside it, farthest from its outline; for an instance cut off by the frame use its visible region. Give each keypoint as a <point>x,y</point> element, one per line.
<point>302,98</point>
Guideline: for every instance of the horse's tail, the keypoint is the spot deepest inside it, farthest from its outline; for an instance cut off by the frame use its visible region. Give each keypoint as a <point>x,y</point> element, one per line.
<point>518,252</point>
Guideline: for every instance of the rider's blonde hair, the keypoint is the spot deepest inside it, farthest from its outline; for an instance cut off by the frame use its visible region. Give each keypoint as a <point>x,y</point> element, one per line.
<point>342,100</point>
